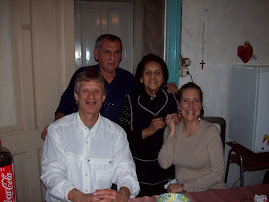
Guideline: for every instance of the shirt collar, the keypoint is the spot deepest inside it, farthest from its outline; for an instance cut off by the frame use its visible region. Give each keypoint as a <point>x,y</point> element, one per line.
<point>82,125</point>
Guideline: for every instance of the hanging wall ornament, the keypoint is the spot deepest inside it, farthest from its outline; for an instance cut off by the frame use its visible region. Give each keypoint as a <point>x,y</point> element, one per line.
<point>245,52</point>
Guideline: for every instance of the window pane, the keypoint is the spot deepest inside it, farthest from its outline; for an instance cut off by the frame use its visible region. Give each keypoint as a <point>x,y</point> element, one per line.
<point>8,116</point>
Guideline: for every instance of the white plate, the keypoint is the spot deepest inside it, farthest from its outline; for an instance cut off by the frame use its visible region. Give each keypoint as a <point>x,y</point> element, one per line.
<point>173,197</point>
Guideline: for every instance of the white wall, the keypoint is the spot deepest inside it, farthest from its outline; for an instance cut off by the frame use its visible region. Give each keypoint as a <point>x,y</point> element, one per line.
<point>228,24</point>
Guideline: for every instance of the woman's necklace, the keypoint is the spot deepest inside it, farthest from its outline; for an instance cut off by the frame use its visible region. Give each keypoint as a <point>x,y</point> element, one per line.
<point>152,97</point>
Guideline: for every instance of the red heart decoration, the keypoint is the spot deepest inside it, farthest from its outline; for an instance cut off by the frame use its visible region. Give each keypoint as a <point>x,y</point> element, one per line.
<point>245,52</point>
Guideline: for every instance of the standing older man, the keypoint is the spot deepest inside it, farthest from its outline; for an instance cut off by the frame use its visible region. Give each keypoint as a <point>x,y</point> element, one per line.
<point>84,152</point>
<point>119,82</point>
<point>108,53</point>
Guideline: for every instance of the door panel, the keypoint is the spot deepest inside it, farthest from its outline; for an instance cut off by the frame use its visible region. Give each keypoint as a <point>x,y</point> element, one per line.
<point>41,53</point>
<point>95,18</point>
<point>10,116</point>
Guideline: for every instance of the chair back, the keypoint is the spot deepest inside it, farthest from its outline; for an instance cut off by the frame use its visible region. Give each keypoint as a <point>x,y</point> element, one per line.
<point>221,122</point>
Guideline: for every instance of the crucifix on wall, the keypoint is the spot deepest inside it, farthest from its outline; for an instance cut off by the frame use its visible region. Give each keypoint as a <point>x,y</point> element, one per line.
<point>203,48</point>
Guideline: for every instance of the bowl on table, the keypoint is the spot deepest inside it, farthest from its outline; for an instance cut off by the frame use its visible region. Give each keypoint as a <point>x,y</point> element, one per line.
<point>173,197</point>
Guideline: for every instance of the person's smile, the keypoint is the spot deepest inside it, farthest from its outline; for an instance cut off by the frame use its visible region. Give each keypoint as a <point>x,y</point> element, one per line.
<point>152,77</point>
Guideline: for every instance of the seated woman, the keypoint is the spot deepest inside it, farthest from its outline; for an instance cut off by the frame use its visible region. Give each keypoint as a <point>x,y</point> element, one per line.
<point>194,147</point>
<point>142,117</point>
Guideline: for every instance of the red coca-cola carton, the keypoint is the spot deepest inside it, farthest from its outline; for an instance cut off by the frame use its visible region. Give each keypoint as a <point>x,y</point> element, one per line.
<point>7,178</point>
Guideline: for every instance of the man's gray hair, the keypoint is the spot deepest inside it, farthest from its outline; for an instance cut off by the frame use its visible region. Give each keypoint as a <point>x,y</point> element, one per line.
<point>109,37</point>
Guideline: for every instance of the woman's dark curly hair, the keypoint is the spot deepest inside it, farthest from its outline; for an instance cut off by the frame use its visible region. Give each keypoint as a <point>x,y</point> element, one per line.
<point>151,58</point>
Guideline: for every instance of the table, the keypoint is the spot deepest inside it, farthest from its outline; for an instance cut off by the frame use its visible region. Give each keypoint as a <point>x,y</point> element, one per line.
<point>218,195</point>
<point>246,159</point>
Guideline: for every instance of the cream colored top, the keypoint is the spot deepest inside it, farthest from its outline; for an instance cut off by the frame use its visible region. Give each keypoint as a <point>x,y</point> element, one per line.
<point>198,159</point>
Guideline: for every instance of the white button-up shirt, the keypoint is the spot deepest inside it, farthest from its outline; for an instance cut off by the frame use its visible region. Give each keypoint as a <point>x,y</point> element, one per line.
<point>76,157</point>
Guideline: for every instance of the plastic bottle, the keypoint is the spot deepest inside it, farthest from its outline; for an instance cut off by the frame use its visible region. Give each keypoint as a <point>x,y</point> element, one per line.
<point>7,178</point>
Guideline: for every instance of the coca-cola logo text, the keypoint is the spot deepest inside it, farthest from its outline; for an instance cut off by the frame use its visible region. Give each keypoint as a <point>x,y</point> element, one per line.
<point>7,184</point>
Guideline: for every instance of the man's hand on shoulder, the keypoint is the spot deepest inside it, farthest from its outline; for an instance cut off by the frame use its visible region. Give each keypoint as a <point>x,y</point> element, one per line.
<point>58,115</point>
<point>44,132</point>
<point>172,88</point>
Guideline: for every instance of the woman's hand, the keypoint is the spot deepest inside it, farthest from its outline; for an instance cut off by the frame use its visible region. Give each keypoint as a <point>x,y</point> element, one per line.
<point>170,121</point>
<point>155,125</point>
<point>175,188</point>
<point>177,119</point>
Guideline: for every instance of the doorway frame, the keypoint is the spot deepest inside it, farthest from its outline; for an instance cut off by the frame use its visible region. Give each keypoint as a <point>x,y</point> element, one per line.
<point>172,43</point>
<point>138,12</point>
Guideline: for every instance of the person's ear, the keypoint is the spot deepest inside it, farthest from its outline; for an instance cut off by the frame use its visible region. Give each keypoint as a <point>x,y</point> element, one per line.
<point>96,55</point>
<point>141,80</point>
<point>120,56</point>
<point>104,98</point>
<point>76,96</point>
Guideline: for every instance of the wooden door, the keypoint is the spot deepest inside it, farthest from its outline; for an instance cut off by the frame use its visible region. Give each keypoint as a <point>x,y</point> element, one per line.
<point>36,58</point>
<point>36,64</point>
<point>95,18</point>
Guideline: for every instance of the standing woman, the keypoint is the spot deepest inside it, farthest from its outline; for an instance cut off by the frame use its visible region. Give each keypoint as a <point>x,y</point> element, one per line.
<point>143,118</point>
<point>194,147</point>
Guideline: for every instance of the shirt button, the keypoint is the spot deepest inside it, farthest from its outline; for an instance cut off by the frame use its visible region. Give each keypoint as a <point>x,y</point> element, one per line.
<point>86,174</point>
<point>86,190</point>
<point>86,142</point>
<point>86,128</point>
<point>89,160</point>
<point>85,158</point>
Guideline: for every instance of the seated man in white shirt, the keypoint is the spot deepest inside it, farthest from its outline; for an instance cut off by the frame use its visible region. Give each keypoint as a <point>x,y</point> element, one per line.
<point>84,153</point>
